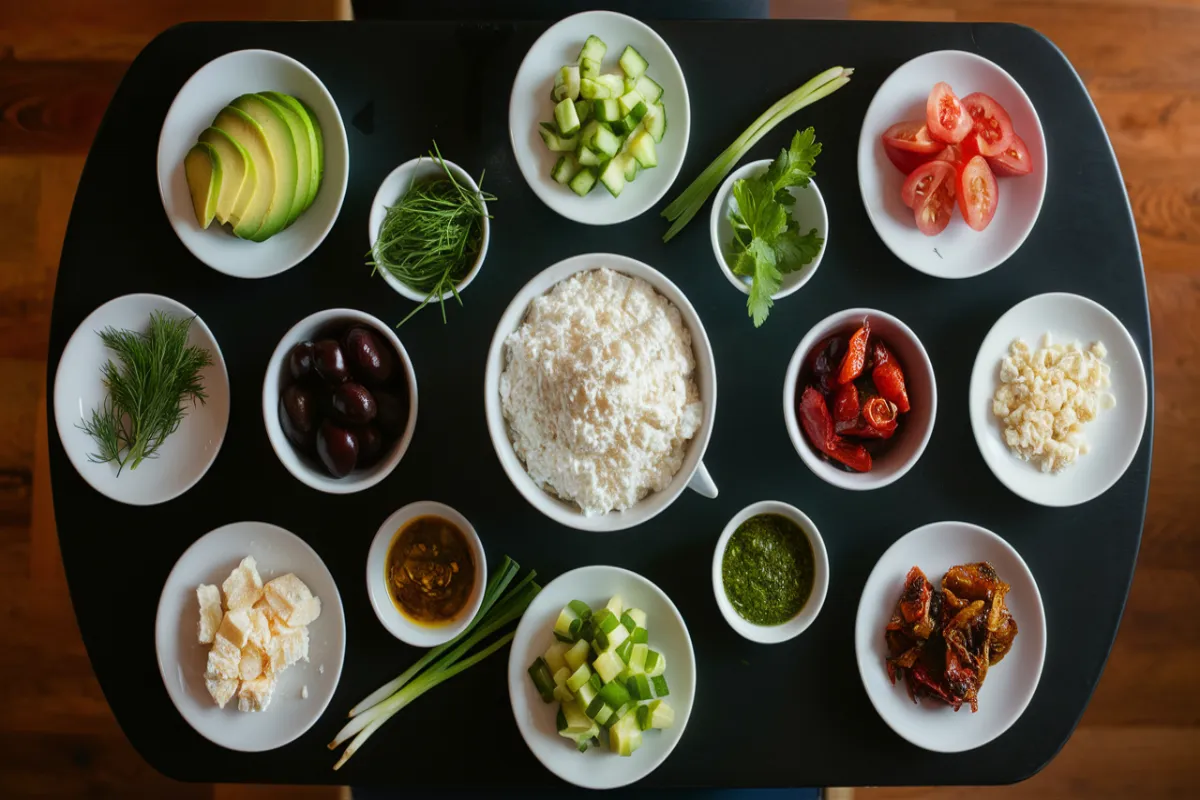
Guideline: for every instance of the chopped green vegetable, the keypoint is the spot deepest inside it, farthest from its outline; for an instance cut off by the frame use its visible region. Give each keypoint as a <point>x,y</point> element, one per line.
<point>542,680</point>
<point>660,686</point>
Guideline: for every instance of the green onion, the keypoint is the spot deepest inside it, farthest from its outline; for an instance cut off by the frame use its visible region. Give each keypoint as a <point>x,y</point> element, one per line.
<point>683,208</point>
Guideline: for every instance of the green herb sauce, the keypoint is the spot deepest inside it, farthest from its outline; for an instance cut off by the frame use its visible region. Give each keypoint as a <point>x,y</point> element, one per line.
<point>767,569</point>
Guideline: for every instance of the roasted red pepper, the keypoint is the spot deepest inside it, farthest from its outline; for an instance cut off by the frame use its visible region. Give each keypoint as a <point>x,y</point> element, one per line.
<point>880,415</point>
<point>880,354</point>
<point>823,363</point>
<point>818,427</point>
<point>845,403</point>
<point>889,380</point>
<point>856,354</point>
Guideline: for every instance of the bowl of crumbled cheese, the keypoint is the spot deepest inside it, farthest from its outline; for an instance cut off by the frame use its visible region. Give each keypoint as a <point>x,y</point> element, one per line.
<point>600,393</point>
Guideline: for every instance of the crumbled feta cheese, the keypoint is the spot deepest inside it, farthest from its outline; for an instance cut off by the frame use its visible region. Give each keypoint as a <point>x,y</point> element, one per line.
<point>304,691</point>
<point>243,587</point>
<point>209,597</point>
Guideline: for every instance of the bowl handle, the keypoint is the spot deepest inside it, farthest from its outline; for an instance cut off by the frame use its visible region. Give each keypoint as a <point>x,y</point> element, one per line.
<point>702,483</point>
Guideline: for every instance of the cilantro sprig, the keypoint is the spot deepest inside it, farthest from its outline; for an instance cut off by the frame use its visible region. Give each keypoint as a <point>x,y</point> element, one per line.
<point>767,242</point>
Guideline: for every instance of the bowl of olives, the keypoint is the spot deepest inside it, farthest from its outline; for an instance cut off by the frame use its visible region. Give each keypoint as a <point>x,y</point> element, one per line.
<point>340,400</point>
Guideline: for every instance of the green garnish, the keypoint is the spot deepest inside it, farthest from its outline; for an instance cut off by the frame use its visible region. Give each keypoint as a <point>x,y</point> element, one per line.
<point>683,208</point>
<point>146,394</point>
<point>766,240</point>
<point>429,240</point>
<point>767,569</point>
<point>498,609</point>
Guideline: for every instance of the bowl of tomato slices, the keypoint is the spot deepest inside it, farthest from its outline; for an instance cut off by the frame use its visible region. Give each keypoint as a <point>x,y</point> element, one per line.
<point>859,399</point>
<point>952,164</point>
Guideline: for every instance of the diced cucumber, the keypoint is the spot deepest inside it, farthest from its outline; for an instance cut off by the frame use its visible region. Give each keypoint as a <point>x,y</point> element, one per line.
<point>631,171</point>
<point>608,665</point>
<point>584,109</point>
<point>560,720</point>
<point>577,655</point>
<point>656,663</point>
<point>648,89</point>
<point>563,695</point>
<point>623,126</point>
<point>661,715</point>
<point>577,723</point>
<point>581,743</point>
<point>558,144</point>
<point>615,694</point>
<point>596,682</point>
<point>579,677</point>
<point>613,178</point>
<point>640,635</point>
<point>641,147</point>
<point>643,717</point>
<point>581,609</point>
<point>566,117</point>
<point>629,101</point>
<point>554,654</point>
<point>605,142</point>
<point>623,709</point>
<point>637,657</point>
<point>603,714</point>
<point>568,78</point>
<point>639,687</point>
<point>638,616</point>
<point>625,737</point>
<point>626,647</point>
<point>614,83</point>
<point>607,110</point>
<point>587,158</point>
<point>585,694</point>
<point>628,622</point>
<point>593,89</point>
<point>543,681</point>
<point>561,676</point>
<point>629,84</point>
<point>659,683</point>
<point>593,48</point>
<point>581,184</point>
<point>615,605</point>
<point>565,168</point>
<point>594,706</point>
<point>632,63</point>
<point>606,621</point>
<point>656,121</point>
<point>589,68</point>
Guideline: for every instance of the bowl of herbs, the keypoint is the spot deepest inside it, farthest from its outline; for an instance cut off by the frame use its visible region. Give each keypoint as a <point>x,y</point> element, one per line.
<point>429,230</point>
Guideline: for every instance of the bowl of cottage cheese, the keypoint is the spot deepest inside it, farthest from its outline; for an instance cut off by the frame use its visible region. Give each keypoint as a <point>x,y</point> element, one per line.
<point>600,393</point>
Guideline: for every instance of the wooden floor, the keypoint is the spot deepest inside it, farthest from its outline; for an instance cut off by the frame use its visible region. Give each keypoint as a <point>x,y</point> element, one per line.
<point>60,61</point>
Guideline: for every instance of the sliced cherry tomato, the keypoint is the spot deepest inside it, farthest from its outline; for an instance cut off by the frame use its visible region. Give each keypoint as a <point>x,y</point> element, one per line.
<point>992,132</point>
<point>818,428</point>
<point>978,193</point>
<point>924,181</point>
<point>908,145</point>
<point>1013,162</point>
<point>944,115</point>
<point>889,382</point>
<point>930,191</point>
<point>952,154</point>
<point>856,354</point>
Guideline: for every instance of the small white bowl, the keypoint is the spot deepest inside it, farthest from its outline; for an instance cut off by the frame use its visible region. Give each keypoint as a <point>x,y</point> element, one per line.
<point>809,211</point>
<point>599,767</point>
<point>209,90</point>
<point>692,474</point>
<point>308,470</point>
<point>394,186</point>
<point>530,104</point>
<point>958,251</point>
<point>1113,436</point>
<point>187,454</point>
<point>398,625</point>
<point>1010,685</point>
<point>916,426</point>
<point>774,634</point>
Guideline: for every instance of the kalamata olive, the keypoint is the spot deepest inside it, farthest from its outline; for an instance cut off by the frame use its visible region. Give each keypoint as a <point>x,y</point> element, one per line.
<point>329,361</point>
<point>391,412</point>
<point>300,360</point>
<point>370,361</point>
<point>353,404</point>
<point>338,449</point>
<point>297,416</point>
<point>370,444</point>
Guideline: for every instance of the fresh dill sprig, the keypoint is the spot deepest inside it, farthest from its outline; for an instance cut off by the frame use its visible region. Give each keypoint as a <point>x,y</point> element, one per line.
<point>429,240</point>
<point>146,393</point>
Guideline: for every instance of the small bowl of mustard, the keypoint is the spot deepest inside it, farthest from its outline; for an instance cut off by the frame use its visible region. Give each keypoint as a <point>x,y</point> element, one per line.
<point>426,573</point>
<point>770,572</point>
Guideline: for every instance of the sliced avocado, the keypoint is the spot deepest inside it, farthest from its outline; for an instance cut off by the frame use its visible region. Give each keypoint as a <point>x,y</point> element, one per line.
<point>250,135</point>
<point>283,149</point>
<point>234,173</point>
<point>304,156</point>
<point>312,117</point>
<point>310,134</point>
<point>203,168</point>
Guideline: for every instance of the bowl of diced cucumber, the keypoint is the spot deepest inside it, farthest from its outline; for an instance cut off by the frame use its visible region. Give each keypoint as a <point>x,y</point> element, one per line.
<point>599,117</point>
<point>601,676</point>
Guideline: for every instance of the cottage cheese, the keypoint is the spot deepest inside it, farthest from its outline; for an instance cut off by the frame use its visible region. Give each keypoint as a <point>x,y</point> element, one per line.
<point>1046,396</point>
<point>598,391</point>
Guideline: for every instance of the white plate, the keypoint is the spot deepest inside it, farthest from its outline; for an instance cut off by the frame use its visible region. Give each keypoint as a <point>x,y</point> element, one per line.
<point>1009,685</point>
<point>599,767</point>
<point>79,387</point>
<point>531,104</point>
<point>958,251</point>
<point>208,91</point>
<point>1113,436</point>
<point>182,660</point>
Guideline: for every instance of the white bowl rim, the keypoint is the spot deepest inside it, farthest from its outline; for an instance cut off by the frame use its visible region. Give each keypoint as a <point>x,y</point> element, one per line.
<point>389,616</point>
<point>804,618</point>
<point>270,403</point>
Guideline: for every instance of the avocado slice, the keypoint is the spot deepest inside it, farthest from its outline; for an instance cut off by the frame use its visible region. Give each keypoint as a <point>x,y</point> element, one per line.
<point>202,166</point>
<point>236,168</point>
<point>283,149</point>
<point>312,117</point>
<point>304,159</point>
<point>297,112</point>
<point>250,135</point>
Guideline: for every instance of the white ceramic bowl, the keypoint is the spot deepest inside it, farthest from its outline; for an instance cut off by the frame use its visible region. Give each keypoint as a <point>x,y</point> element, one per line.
<point>79,388</point>
<point>773,634</point>
<point>394,186</point>
<point>1009,685</point>
<point>308,470</point>
<point>396,623</point>
<point>916,426</point>
<point>599,767</point>
<point>1113,436</point>
<point>809,211</point>
<point>182,660</point>
<point>530,104</point>
<point>691,475</point>
<point>958,251</point>
<point>209,90</point>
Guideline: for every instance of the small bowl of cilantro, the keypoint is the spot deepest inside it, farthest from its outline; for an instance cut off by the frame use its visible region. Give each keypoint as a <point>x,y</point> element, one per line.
<point>769,225</point>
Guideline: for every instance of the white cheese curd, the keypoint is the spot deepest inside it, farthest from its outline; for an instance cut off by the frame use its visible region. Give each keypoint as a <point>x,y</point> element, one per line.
<point>1046,396</point>
<point>599,391</point>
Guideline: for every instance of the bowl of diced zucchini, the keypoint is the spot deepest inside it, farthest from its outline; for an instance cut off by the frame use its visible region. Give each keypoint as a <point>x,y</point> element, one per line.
<point>601,676</point>
<point>599,117</point>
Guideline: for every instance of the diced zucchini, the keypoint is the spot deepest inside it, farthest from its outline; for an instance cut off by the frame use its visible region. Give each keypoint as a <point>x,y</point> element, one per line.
<point>563,695</point>
<point>623,709</point>
<point>648,89</point>
<point>614,83</point>
<point>589,68</point>
<point>581,184</point>
<point>656,663</point>
<point>579,677</point>
<point>568,78</point>
<point>607,143</point>
<point>632,63</point>
<point>561,676</point>
<point>560,720</point>
<point>585,694</point>
<point>566,117</point>
<point>607,110</point>
<point>594,706</point>
<point>643,717</point>
<point>558,144</point>
<point>622,126</point>
<point>554,655</point>
<point>615,605</point>
<point>656,122</point>
<point>641,147</point>
<point>565,168</point>
<point>638,616</point>
<point>629,101</point>
<point>542,679</point>
<point>640,635</point>
<point>597,682</point>
<point>615,694</point>
<point>577,723</point>
<point>626,647</point>
<point>661,714</point>
<point>628,621</point>
<point>608,665</point>
<point>613,178</point>
<point>631,171</point>
<point>637,657</point>
<point>581,609</point>
<point>625,737</point>
<point>593,89</point>
<point>593,48</point>
<point>603,714</point>
<point>639,687</point>
<point>659,683</point>
<point>584,109</point>
<point>577,655</point>
<point>587,158</point>
<point>629,84</point>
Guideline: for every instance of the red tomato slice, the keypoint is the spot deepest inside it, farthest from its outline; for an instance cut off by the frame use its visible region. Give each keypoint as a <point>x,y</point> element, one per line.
<point>1013,162</point>
<point>978,193</point>
<point>944,115</point>
<point>929,192</point>
<point>952,154</point>
<point>992,132</point>
<point>905,160</point>
<point>908,145</point>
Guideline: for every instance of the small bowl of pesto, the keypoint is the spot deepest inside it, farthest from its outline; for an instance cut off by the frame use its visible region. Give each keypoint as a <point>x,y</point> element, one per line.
<point>770,572</point>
